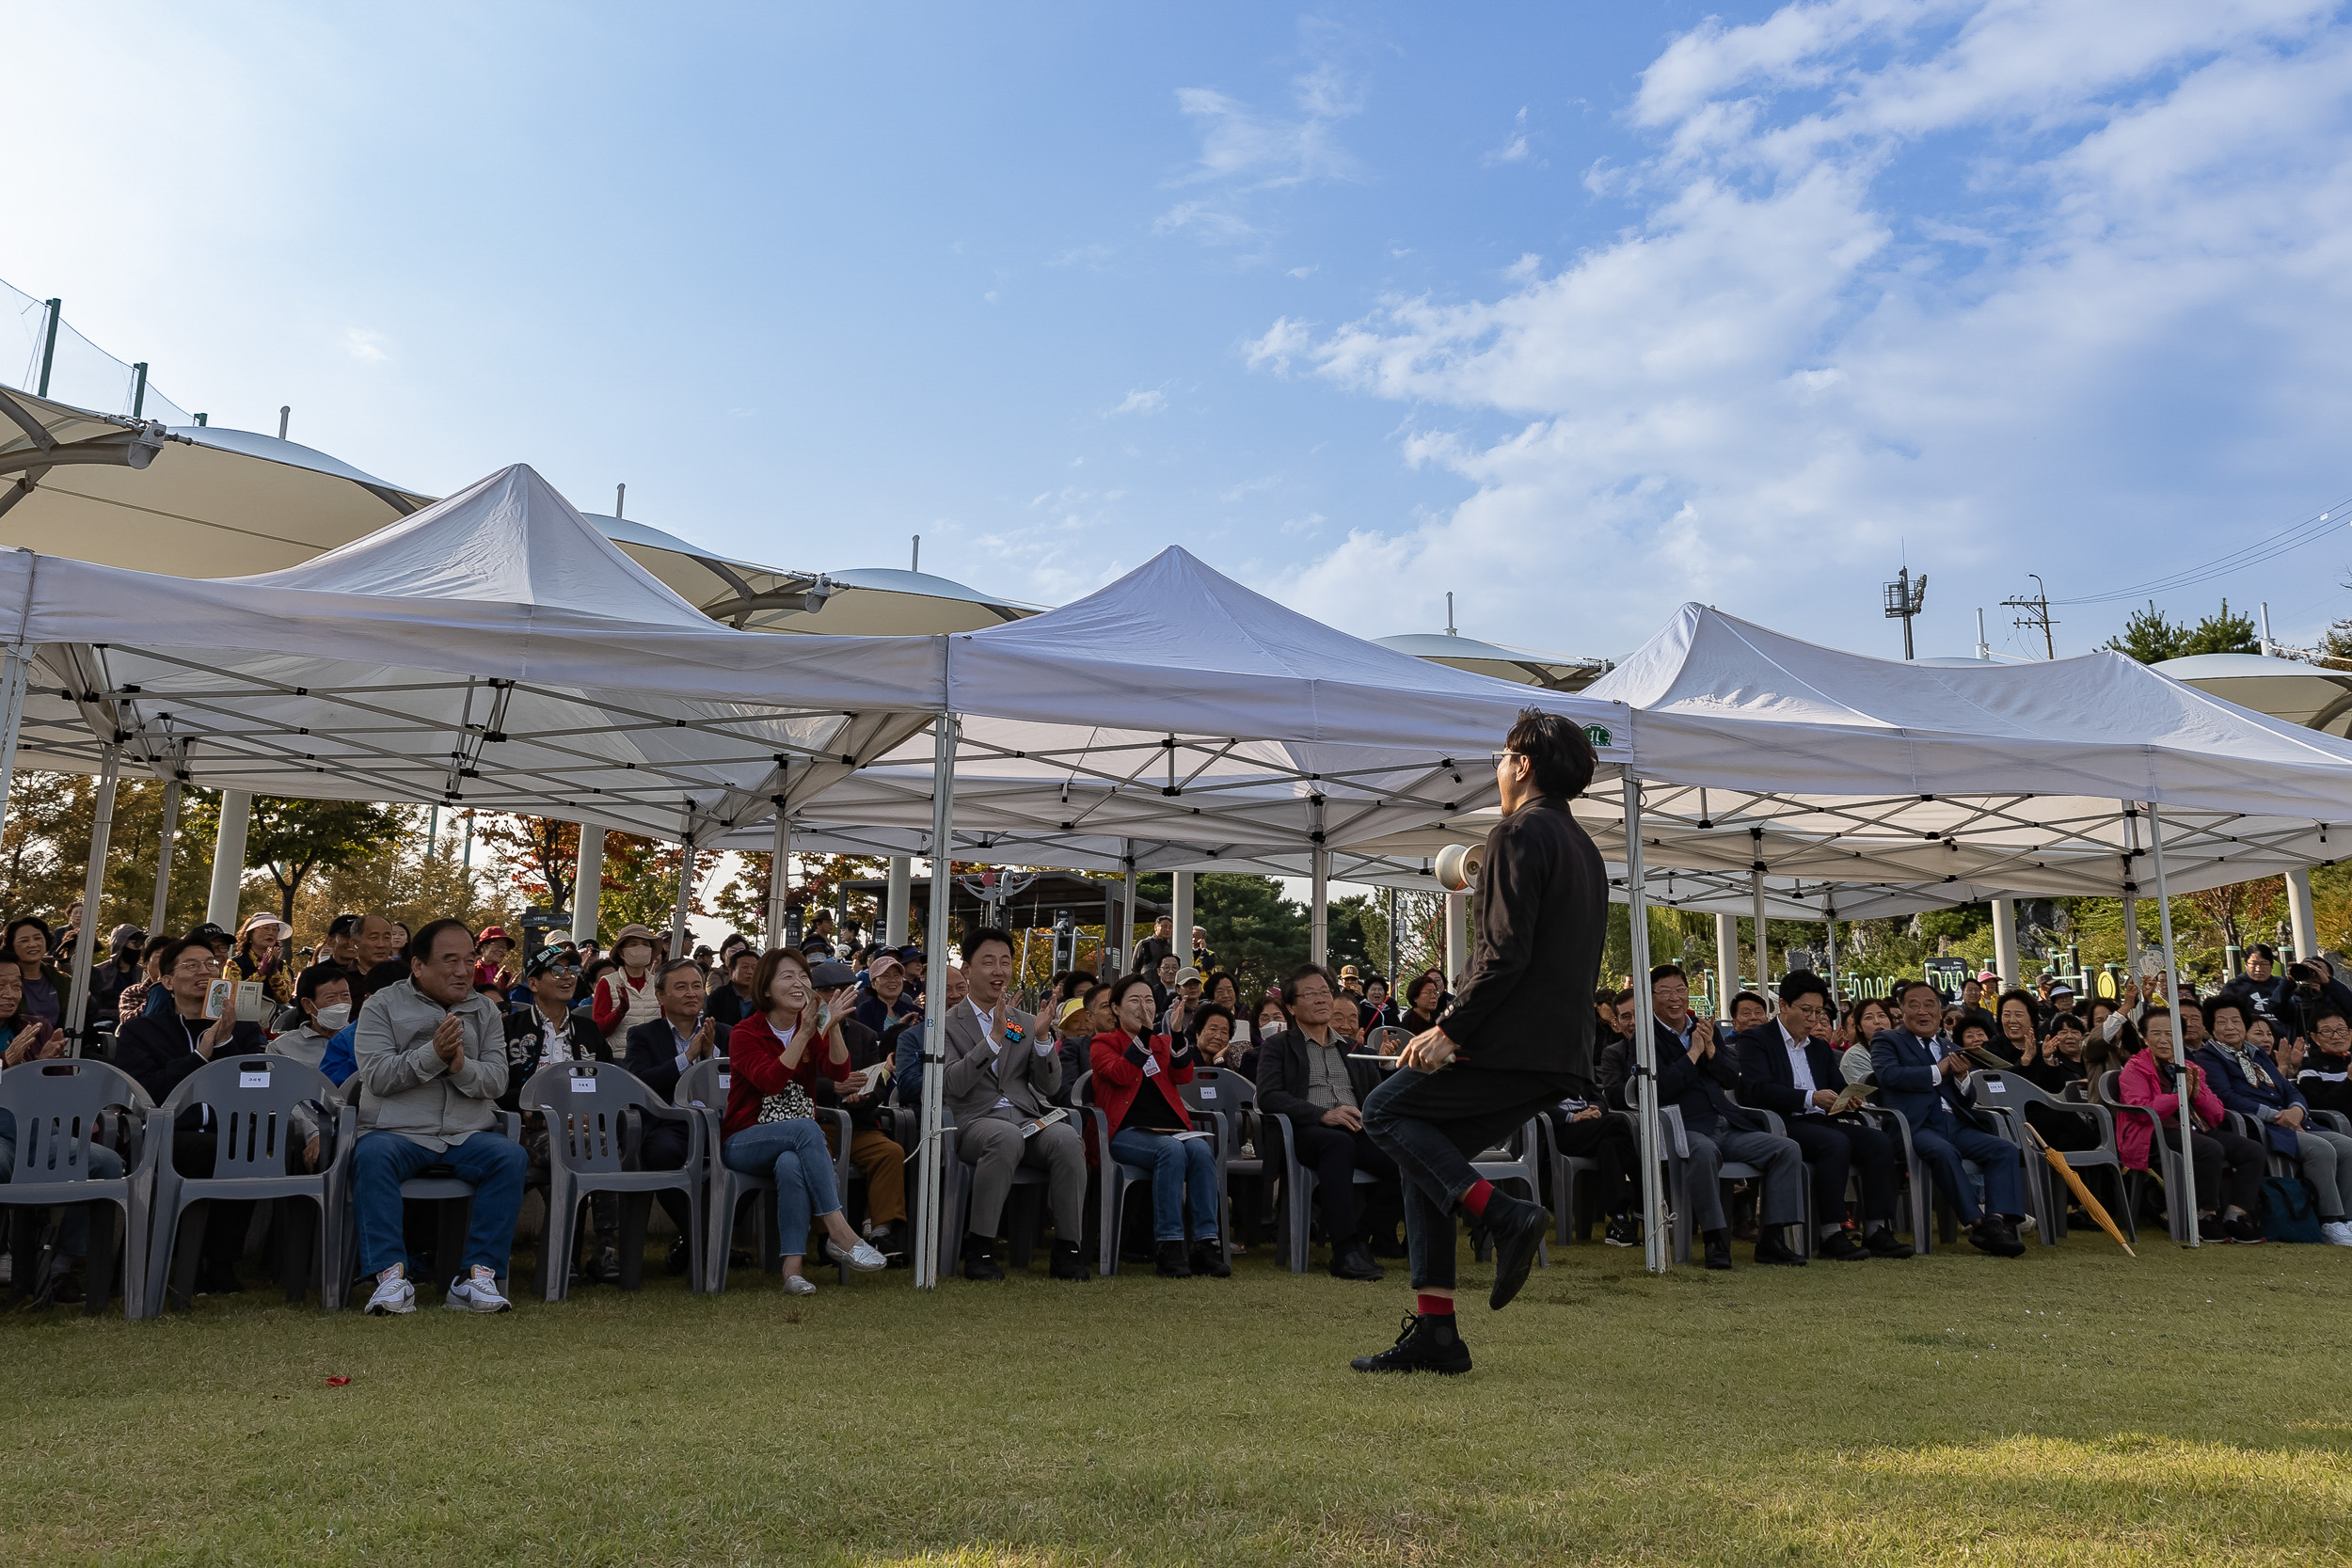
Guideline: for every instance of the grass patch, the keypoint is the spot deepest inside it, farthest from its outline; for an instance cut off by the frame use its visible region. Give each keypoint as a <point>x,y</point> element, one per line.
<point>2072,1406</point>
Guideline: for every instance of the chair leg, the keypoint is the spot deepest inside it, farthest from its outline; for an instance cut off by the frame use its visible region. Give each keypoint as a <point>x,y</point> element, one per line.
<point>636,1208</point>
<point>98,1265</point>
<point>186,1252</point>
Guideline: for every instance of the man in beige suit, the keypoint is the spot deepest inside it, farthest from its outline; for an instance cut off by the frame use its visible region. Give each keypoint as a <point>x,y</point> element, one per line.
<point>1002,1069</point>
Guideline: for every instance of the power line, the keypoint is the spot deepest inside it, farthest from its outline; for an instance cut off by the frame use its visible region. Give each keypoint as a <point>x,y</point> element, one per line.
<point>2267,548</point>
<point>2036,613</point>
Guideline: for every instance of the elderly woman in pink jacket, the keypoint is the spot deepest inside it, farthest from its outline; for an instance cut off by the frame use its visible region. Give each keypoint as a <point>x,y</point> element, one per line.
<point>2153,1078</point>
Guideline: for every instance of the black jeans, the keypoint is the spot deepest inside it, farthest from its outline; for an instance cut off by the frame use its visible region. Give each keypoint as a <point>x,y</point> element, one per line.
<point>1335,1155</point>
<point>1609,1143</point>
<point>1835,1148</point>
<point>2211,1151</point>
<point>1431,1123</point>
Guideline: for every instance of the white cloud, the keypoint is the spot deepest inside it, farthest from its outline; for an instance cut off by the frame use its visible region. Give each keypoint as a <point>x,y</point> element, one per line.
<point>364,346</point>
<point>1149,401</point>
<point>1514,149</point>
<point>2126,315</point>
<point>1246,153</point>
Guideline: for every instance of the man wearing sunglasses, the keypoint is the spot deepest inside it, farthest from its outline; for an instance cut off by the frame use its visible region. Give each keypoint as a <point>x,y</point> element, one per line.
<point>1507,1048</point>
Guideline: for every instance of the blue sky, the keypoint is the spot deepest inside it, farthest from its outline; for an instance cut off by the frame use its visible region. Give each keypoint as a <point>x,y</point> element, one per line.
<point>1578,310</point>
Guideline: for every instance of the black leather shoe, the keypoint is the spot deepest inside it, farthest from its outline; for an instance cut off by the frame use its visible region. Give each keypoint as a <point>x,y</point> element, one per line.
<point>1842,1248</point>
<point>1209,1258</point>
<point>1717,1249</point>
<point>1517,1229</point>
<point>1770,1248</point>
<point>1995,1235</point>
<point>1428,1345</point>
<point>979,1263</point>
<point>1354,1262</point>
<point>1168,1261</point>
<point>1069,1261</point>
<point>1882,1243</point>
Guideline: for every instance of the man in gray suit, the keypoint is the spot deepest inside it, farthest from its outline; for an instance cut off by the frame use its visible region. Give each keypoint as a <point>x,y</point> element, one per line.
<point>1002,1069</point>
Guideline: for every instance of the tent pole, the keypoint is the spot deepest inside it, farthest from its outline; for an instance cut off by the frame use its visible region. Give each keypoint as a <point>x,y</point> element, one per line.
<point>15,668</point>
<point>1727,963</point>
<point>779,874</point>
<point>1829,952</point>
<point>1392,947</point>
<point>588,883</point>
<point>1180,935</point>
<point>900,901</point>
<point>93,892</point>
<point>1755,892</point>
<point>1457,938</point>
<point>2172,999</point>
<point>1655,1255</point>
<point>1126,915</point>
<point>2005,943</point>
<point>2299,917</point>
<point>927,1194</point>
<point>1319,917</point>
<point>2131,900</point>
<point>685,895</point>
<point>236,815</point>
<point>163,858</point>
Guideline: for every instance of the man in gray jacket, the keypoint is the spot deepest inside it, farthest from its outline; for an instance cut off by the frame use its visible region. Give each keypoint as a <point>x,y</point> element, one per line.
<point>432,1064</point>
<point>1001,1072</point>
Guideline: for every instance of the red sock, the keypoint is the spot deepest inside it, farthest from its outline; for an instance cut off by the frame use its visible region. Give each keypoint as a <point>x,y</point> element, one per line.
<point>1435,1306</point>
<point>1475,1201</point>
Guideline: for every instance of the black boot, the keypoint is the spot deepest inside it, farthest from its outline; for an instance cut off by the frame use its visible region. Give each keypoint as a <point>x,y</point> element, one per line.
<point>1208,1259</point>
<point>1427,1344</point>
<point>1070,1262</point>
<point>1353,1262</point>
<point>1171,1263</point>
<point>1517,1229</point>
<point>1718,1249</point>
<point>979,1263</point>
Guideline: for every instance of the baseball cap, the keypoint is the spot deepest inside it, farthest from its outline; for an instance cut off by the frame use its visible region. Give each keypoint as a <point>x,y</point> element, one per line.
<point>1187,972</point>
<point>880,965</point>
<point>207,933</point>
<point>830,976</point>
<point>547,958</point>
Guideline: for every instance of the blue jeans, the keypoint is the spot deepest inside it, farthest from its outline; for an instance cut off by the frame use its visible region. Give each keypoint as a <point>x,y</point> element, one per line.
<point>1944,1143</point>
<point>1175,1163</point>
<point>105,1165</point>
<point>381,1161</point>
<point>794,1153</point>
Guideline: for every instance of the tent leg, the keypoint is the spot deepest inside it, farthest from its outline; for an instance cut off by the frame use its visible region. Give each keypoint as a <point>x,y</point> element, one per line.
<point>1319,932</point>
<point>236,815</point>
<point>1457,938</point>
<point>2172,999</point>
<point>2005,943</point>
<point>163,842</point>
<point>588,883</point>
<point>93,894</point>
<point>1829,954</point>
<point>1656,1256</point>
<point>15,669</point>
<point>1126,917</point>
<point>1763,967</point>
<point>927,1195</point>
<point>2299,917</point>
<point>685,896</point>
<point>1394,949</point>
<point>779,875</point>
<point>1180,938</point>
<point>1727,963</point>
<point>900,902</point>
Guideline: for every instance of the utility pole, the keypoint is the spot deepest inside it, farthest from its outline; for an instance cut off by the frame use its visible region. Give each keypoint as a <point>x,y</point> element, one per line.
<point>1904,600</point>
<point>2036,613</point>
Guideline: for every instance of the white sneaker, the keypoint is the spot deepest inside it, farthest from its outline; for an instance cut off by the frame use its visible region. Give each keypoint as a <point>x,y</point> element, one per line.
<point>393,1294</point>
<point>476,1293</point>
<point>862,1259</point>
<point>798,1284</point>
<point>2339,1233</point>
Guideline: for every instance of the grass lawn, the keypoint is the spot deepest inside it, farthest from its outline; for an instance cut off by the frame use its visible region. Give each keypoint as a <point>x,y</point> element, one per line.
<point>2070,1406</point>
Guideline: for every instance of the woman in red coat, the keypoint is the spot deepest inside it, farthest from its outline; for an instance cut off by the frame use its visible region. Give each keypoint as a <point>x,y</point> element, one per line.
<point>2154,1078</point>
<point>1136,1078</point>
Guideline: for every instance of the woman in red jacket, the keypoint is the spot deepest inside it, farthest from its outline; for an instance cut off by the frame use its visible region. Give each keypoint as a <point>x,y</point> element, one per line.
<point>2154,1079</point>
<point>1135,1077</point>
<point>776,1057</point>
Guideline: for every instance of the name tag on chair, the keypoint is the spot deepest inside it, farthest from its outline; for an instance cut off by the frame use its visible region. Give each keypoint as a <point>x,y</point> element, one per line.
<point>1996,1086</point>
<point>1208,1094</point>
<point>253,1078</point>
<point>725,1079</point>
<point>584,1084</point>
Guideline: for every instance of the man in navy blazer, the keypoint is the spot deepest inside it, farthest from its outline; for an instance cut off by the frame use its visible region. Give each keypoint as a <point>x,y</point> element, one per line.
<point>1786,1068</point>
<point>1696,1074</point>
<point>1918,1073</point>
<point>658,1053</point>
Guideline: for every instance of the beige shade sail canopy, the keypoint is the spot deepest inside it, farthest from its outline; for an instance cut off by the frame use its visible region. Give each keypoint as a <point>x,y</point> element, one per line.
<point>2311,695</point>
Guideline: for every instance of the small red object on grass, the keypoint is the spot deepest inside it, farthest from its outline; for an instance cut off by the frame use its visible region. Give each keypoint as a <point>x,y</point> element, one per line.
<point>338,1382</point>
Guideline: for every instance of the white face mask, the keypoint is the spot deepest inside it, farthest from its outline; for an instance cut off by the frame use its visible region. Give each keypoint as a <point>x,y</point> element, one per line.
<point>331,1020</point>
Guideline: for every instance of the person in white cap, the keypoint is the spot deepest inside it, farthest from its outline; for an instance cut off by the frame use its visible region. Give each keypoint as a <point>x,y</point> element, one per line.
<point>1181,1003</point>
<point>260,956</point>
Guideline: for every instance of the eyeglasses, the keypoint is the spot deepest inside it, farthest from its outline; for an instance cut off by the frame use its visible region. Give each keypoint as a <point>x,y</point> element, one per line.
<point>1504,755</point>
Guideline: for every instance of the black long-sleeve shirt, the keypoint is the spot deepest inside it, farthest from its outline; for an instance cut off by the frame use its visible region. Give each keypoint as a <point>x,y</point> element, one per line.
<point>1543,906</point>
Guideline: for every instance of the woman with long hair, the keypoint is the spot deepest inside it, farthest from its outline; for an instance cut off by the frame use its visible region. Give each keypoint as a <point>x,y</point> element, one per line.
<point>778,1054</point>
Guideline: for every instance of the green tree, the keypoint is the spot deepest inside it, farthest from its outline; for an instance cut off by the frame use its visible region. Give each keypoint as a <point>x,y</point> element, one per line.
<point>641,883</point>
<point>540,854</point>
<point>292,839</point>
<point>2152,637</point>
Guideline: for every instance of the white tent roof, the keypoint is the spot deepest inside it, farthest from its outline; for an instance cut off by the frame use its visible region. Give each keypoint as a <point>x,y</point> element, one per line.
<point>493,649</point>
<point>1982,780</point>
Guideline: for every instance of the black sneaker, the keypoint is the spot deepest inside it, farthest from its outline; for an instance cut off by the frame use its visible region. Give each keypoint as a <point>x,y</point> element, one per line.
<point>1069,1261</point>
<point>977,1263</point>
<point>1624,1230</point>
<point>1517,1227</point>
<point>1427,1344</point>
<point>1208,1259</point>
<point>1168,1261</point>
<point>1995,1235</point>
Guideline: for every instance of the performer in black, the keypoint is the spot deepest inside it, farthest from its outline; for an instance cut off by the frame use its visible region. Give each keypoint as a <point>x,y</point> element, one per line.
<point>1518,1039</point>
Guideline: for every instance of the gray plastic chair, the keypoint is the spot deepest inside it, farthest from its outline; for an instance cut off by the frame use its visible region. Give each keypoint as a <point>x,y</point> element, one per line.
<point>451,1194</point>
<point>955,1204</point>
<point>59,1106</point>
<point>253,1100</point>
<point>1676,1143</point>
<point>703,1089</point>
<point>2005,1095</point>
<point>2167,1171</point>
<point>1568,1172</point>
<point>2014,1093</point>
<point>593,1144</point>
<point>1118,1175</point>
<point>1388,1040</point>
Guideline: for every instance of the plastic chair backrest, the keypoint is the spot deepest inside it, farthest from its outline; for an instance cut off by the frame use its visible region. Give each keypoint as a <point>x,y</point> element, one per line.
<point>705,1084</point>
<point>1388,1039</point>
<point>583,1103</point>
<point>56,1104</point>
<point>2110,1088</point>
<point>1219,1089</point>
<point>1082,1092</point>
<point>253,1100</point>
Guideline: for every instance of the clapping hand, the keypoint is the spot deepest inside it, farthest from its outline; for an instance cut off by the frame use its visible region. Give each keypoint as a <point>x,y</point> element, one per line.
<point>703,1043</point>
<point>449,1041</point>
